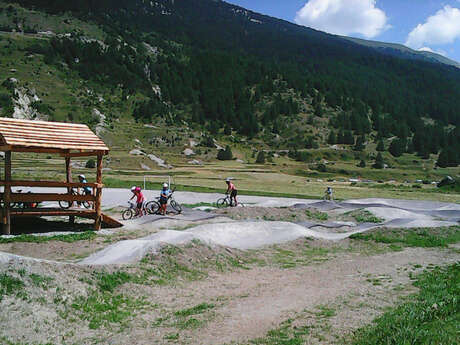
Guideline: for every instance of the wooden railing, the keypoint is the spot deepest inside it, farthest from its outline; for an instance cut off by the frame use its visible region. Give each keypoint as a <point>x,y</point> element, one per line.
<point>50,184</point>
<point>40,197</point>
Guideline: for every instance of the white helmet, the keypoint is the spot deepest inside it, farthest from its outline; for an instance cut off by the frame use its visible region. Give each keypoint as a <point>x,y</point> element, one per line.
<point>83,177</point>
<point>133,188</point>
<point>228,179</point>
<point>165,185</point>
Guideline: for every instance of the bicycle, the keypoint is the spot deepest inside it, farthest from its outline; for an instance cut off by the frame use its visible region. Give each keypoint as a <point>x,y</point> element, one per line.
<point>153,207</point>
<point>132,211</point>
<point>68,204</point>
<point>226,202</point>
<point>23,205</point>
<point>328,197</point>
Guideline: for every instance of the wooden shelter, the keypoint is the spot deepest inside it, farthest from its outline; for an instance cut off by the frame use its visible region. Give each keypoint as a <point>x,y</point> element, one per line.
<point>65,139</point>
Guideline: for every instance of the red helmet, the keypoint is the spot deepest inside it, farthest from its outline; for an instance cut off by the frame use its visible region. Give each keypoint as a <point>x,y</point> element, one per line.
<point>138,189</point>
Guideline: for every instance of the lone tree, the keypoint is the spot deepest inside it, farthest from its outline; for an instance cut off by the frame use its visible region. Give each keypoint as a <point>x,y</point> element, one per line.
<point>260,157</point>
<point>397,147</point>
<point>225,155</point>
<point>378,161</point>
<point>380,146</point>
<point>362,164</point>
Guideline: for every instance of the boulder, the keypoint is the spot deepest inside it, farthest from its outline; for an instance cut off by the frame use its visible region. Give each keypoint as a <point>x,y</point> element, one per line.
<point>136,152</point>
<point>195,162</point>
<point>160,162</point>
<point>188,152</point>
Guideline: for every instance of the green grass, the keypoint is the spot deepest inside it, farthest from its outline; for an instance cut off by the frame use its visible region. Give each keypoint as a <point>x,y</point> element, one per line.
<point>11,286</point>
<point>190,318</point>
<point>111,182</point>
<point>198,309</point>
<point>83,236</point>
<point>432,316</point>
<point>40,281</point>
<point>322,216</point>
<point>306,256</point>
<point>200,204</point>
<point>364,216</point>
<point>286,334</point>
<point>104,308</point>
<point>110,281</point>
<point>421,237</point>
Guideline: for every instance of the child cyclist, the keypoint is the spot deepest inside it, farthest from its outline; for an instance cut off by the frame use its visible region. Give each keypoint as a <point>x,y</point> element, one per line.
<point>164,196</point>
<point>231,189</point>
<point>137,193</point>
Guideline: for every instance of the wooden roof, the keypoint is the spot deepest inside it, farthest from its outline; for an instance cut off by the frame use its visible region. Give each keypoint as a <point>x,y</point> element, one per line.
<point>42,135</point>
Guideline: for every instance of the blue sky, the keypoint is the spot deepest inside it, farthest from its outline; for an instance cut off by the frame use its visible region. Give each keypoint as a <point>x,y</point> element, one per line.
<point>420,24</point>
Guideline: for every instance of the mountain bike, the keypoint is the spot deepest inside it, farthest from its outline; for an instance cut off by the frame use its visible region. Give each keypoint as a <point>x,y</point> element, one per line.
<point>132,211</point>
<point>68,204</point>
<point>225,202</point>
<point>153,207</point>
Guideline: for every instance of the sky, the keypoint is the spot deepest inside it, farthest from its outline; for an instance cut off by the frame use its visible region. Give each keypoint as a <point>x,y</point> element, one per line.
<point>432,25</point>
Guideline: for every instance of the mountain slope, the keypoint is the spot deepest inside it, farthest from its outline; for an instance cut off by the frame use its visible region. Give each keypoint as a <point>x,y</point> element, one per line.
<point>404,52</point>
<point>222,68</point>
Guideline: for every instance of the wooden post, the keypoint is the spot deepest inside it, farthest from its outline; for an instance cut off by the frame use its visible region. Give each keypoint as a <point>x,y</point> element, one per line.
<point>7,195</point>
<point>68,171</point>
<point>98,203</point>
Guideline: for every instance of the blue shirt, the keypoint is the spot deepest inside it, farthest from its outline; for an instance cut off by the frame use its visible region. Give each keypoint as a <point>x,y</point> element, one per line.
<point>87,189</point>
<point>166,192</point>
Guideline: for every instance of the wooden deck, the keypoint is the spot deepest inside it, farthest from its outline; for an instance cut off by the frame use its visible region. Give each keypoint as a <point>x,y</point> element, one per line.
<point>107,221</point>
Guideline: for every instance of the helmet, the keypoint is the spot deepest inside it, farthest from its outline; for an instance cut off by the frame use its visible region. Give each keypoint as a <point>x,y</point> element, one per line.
<point>228,179</point>
<point>138,189</point>
<point>82,176</point>
<point>165,185</point>
<point>133,188</point>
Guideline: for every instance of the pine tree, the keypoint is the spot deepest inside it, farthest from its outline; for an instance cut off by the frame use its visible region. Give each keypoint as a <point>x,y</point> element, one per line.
<point>349,139</point>
<point>397,147</point>
<point>359,146</point>
<point>362,164</point>
<point>443,159</point>
<point>225,155</point>
<point>319,110</point>
<point>380,146</point>
<point>379,163</point>
<point>260,157</point>
<point>332,139</point>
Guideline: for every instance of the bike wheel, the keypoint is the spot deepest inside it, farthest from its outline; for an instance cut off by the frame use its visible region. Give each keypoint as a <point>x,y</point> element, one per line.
<point>152,207</point>
<point>127,214</point>
<point>65,204</point>
<point>221,203</point>
<point>176,206</point>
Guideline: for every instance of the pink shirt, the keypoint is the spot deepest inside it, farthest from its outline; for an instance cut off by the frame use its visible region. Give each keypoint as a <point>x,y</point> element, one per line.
<point>231,186</point>
<point>140,197</point>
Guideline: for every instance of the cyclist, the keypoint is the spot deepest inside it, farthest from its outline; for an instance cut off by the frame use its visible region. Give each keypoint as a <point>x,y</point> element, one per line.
<point>164,196</point>
<point>86,190</point>
<point>137,193</point>
<point>231,189</point>
<point>328,194</point>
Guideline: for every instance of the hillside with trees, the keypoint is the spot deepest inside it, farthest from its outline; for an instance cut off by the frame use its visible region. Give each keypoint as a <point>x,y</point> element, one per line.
<point>223,68</point>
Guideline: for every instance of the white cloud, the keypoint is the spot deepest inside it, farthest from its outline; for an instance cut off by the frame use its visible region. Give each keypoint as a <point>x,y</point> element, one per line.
<point>428,49</point>
<point>343,17</point>
<point>441,28</point>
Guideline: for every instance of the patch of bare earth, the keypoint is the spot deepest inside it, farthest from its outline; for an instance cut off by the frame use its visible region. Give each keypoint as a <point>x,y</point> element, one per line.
<point>196,294</point>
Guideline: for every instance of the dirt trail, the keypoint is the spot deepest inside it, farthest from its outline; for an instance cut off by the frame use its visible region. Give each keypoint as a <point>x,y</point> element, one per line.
<point>260,299</point>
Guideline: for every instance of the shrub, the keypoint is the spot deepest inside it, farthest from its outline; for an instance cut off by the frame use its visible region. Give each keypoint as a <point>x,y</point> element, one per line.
<point>90,164</point>
<point>225,155</point>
